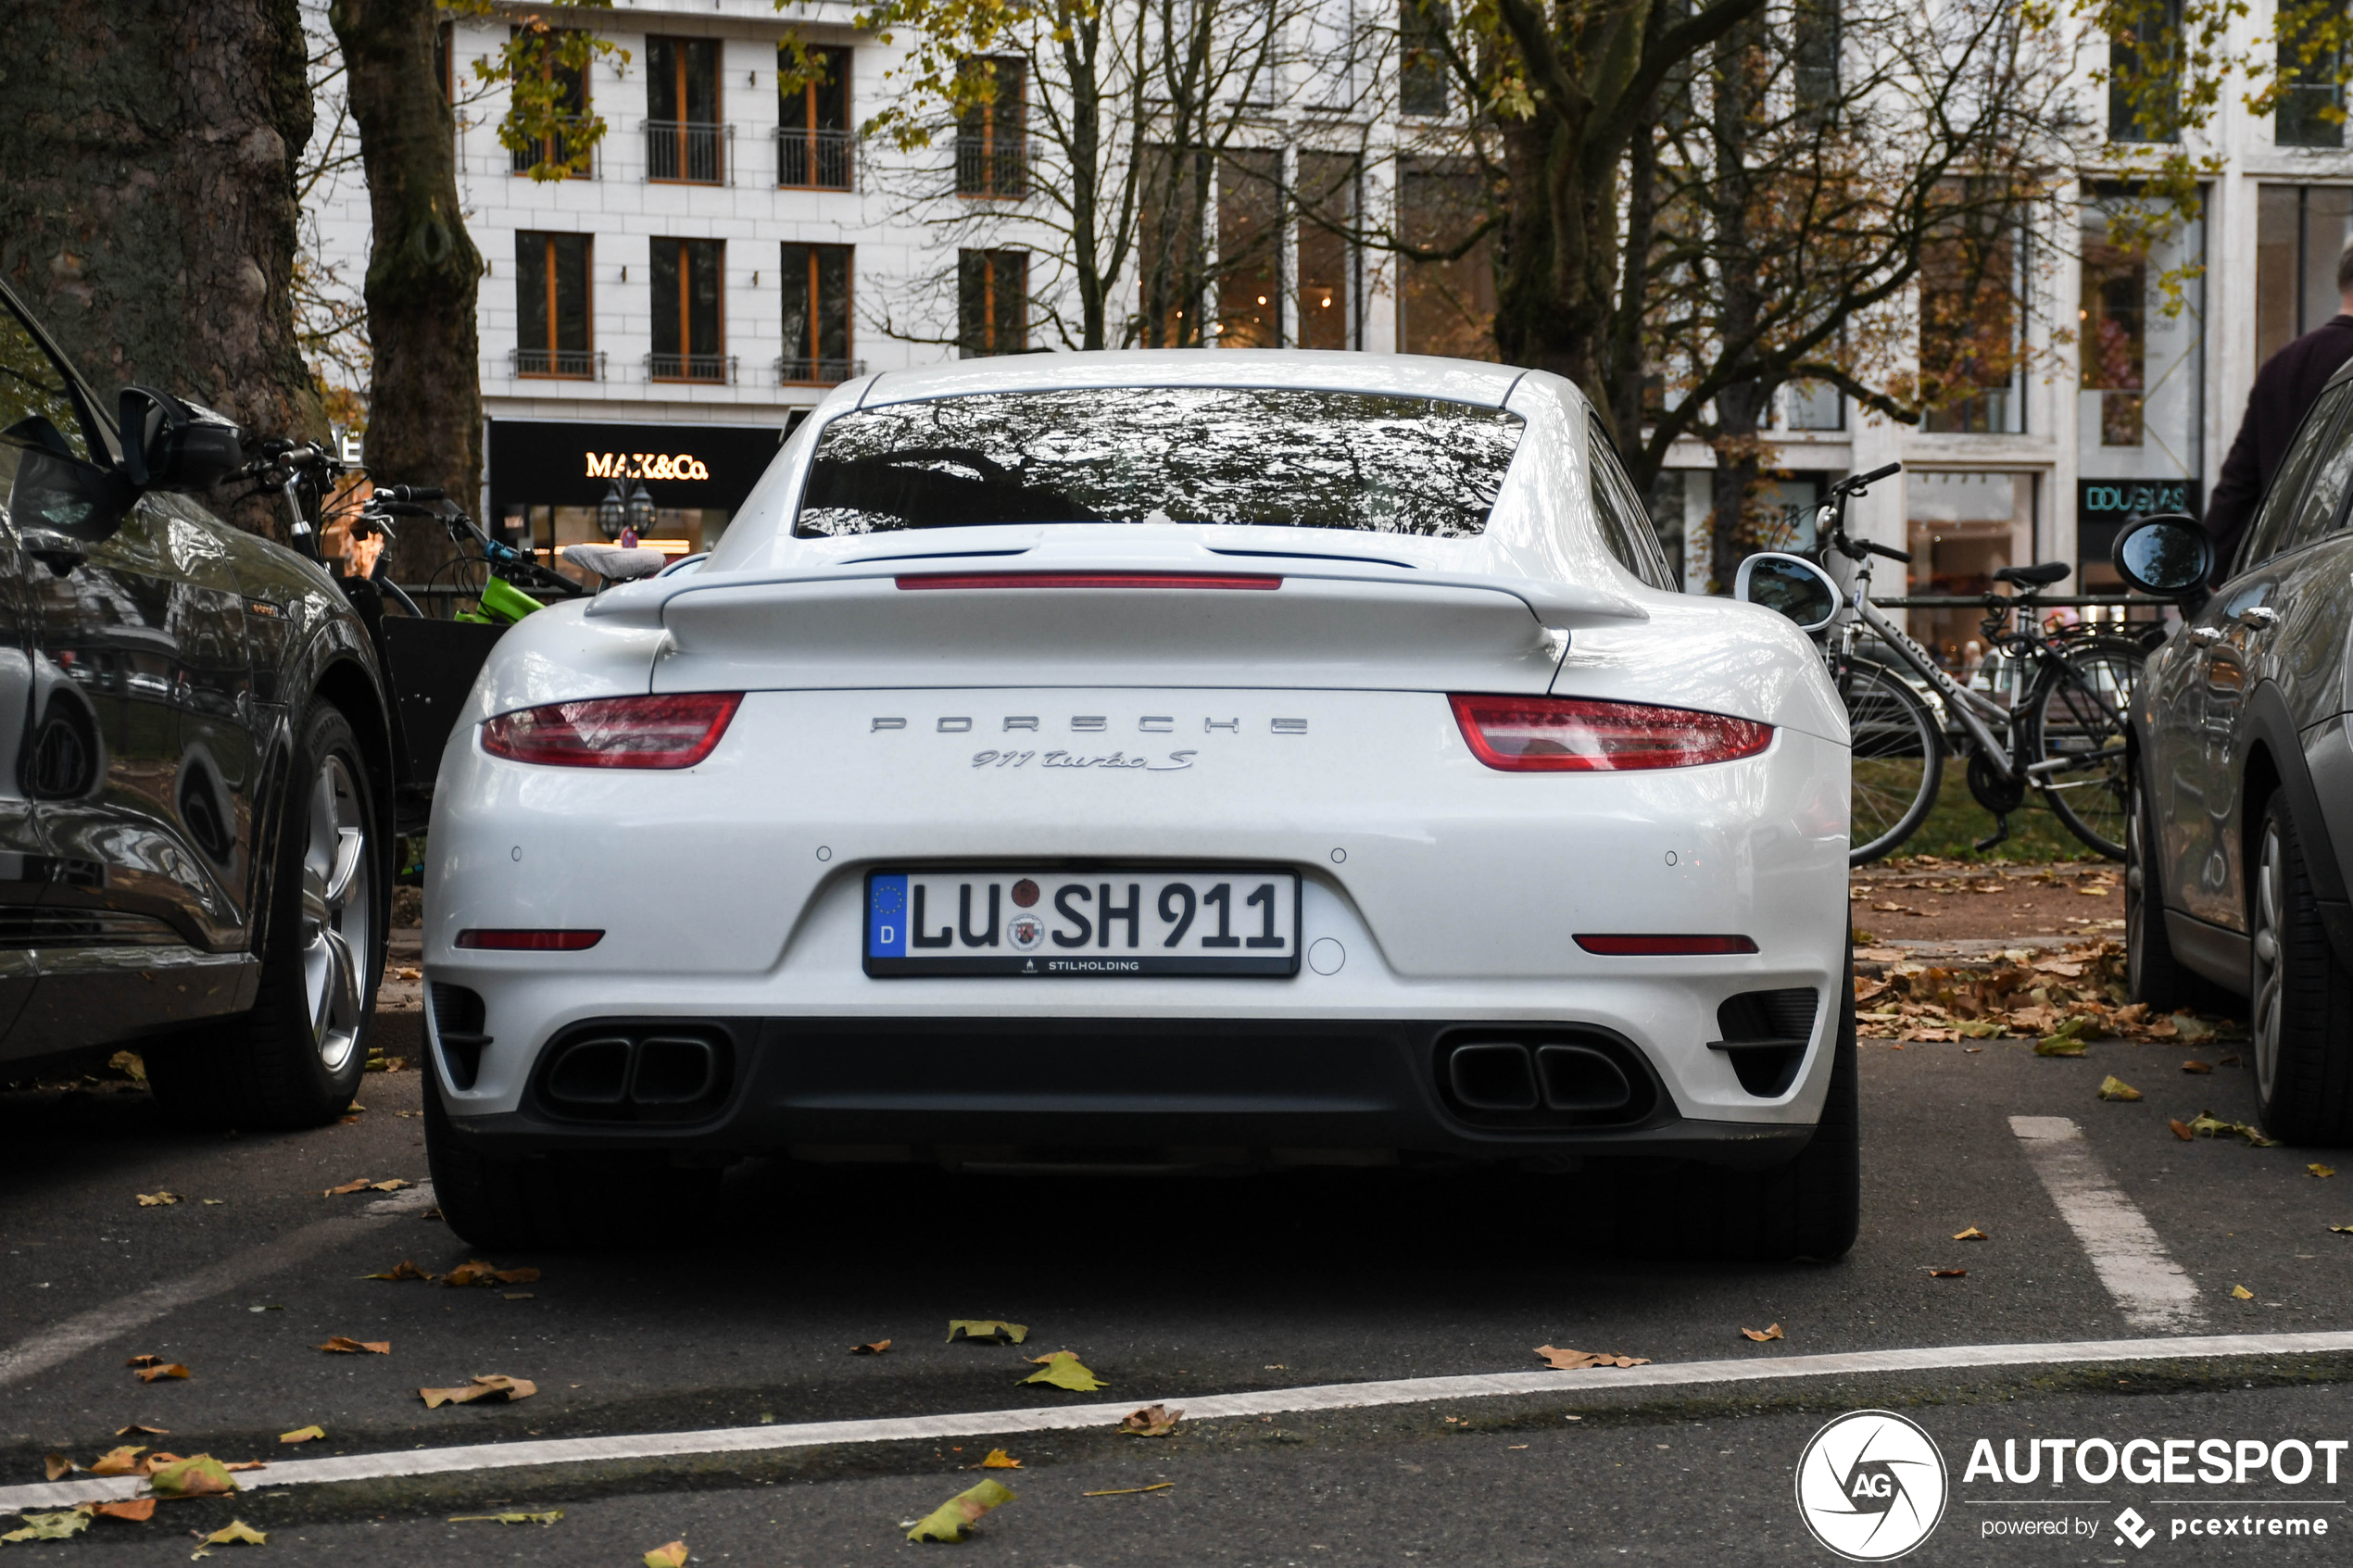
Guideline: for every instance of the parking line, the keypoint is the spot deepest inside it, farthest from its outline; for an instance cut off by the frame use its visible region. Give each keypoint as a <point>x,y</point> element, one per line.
<point>1216,1407</point>
<point>2148,1285</point>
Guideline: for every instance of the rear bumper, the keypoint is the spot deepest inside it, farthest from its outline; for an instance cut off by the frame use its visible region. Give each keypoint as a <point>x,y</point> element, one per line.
<point>1125,1091</point>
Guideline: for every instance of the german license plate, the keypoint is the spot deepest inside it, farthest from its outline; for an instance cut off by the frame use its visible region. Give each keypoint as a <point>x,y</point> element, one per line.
<point>1081,923</point>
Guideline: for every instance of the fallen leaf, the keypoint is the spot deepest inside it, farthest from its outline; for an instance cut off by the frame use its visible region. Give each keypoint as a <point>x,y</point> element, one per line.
<point>1762,1335</point>
<point>58,1466</point>
<point>987,1331</point>
<point>198,1476</point>
<point>547,1518</point>
<point>215,1202</point>
<point>671,1556</point>
<point>138,1510</point>
<point>117,1462</point>
<point>394,1184</point>
<point>873,1347</point>
<point>302,1435</point>
<point>951,1519</point>
<point>2181,1130</point>
<point>1949,1273</point>
<point>2241,1293</point>
<point>149,1375</point>
<point>2113,1087</point>
<point>2342,1230</point>
<point>1575,1361</point>
<point>1130,1491</point>
<point>472,1271</point>
<point>236,1466</point>
<point>151,1431</point>
<point>145,1360</point>
<point>342,1344</point>
<point>130,1065</point>
<point>2059,1045</point>
<point>236,1532</point>
<point>157,1200</point>
<point>999,1460</point>
<point>347,1188</point>
<point>2189,1027</point>
<point>1972,1234</point>
<point>1065,1370</point>
<point>520,1296</point>
<point>516,1277</point>
<point>2321,1170</point>
<point>50,1526</point>
<point>2094,891</point>
<point>480,1387</point>
<point>2197,1067</point>
<point>2208,1124</point>
<point>1152,1421</point>
<point>404,1269</point>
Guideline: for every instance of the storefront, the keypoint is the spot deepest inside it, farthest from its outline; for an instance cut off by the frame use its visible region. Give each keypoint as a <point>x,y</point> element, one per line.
<point>548,479</point>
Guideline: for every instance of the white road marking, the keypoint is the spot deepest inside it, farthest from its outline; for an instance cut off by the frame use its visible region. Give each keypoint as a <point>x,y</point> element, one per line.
<point>2146,1283</point>
<point>1216,1407</point>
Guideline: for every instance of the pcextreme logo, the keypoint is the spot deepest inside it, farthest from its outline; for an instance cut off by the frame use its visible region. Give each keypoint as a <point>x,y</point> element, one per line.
<point>1871,1486</point>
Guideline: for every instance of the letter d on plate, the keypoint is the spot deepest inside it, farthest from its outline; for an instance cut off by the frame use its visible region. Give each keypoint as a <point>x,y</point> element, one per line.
<point>886,917</point>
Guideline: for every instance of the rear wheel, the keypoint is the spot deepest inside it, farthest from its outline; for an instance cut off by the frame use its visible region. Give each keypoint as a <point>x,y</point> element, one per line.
<point>2080,718</point>
<point>2301,996</point>
<point>1898,759</point>
<point>296,1058</point>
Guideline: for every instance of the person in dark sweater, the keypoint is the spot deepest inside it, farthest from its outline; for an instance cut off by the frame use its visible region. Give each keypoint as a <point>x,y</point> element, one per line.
<point>2284,388</point>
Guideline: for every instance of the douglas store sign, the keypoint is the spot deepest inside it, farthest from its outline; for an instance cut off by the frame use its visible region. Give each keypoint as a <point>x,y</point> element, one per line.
<point>544,463</point>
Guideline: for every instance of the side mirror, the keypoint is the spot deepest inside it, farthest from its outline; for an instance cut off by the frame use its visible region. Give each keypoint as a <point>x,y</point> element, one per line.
<point>170,444</point>
<point>2167,555</point>
<point>60,503</point>
<point>1791,584</point>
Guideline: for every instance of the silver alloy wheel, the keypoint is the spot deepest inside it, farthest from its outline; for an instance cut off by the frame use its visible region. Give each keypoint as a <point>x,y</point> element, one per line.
<point>2269,973</point>
<point>336,909</point>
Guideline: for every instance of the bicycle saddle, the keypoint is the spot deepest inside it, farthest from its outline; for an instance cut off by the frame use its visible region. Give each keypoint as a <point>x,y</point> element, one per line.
<point>615,564</point>
<point>2038,576</point>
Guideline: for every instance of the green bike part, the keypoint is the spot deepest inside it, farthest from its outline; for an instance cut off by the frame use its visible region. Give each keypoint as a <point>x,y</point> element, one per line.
<point>503,601</point>
<point>473,618</point>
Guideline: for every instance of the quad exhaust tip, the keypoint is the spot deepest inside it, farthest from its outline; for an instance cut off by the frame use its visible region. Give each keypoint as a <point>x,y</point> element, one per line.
<point>1515,1076</point>
<point>653,1076</point>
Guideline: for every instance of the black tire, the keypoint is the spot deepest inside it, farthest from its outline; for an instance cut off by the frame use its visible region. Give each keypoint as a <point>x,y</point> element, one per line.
<point>2301,998</point>
<point>1898,761</point>
<point>2074,718</point>
<point>2152,973</point>
<point>603,1202</point>
<point>1809,1207</point>
<point>296,1058</point>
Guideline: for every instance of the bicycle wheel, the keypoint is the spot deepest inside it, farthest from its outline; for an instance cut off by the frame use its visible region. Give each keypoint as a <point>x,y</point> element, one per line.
<point>2079,714</point>
<point>1899,757</point>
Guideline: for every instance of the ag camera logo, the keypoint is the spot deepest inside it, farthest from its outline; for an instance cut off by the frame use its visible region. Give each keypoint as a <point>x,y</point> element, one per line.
<point>1871,1486</point>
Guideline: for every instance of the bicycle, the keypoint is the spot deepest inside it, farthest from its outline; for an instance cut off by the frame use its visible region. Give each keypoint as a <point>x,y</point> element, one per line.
<point>2061,733</point>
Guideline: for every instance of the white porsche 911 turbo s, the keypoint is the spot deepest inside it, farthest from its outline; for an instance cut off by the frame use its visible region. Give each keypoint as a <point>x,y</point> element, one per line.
<point>1155,761</point>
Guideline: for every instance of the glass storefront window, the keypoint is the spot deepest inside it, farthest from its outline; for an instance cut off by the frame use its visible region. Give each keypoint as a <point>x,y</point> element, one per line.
<point>2299,233</point>
<point>1962,528</point>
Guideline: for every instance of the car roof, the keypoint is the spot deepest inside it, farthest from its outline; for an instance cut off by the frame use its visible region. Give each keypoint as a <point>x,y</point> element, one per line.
<point>1409,375</point>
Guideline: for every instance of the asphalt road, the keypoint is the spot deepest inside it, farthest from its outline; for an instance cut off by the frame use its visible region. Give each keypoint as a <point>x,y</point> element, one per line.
<point>1169,1290</point>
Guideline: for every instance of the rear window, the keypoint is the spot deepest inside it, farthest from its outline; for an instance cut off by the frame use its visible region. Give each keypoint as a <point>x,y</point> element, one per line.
<point>1365,461</point>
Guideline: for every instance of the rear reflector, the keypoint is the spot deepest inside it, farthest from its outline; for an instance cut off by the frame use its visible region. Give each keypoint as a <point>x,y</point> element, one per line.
<point>1664,946</point>
<point>508,940</point>
<point>616,731</point>
<point>1090,579</point>
<point>1551,734</point>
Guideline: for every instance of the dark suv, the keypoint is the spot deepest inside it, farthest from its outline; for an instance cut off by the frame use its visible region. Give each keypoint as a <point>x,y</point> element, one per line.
<point>195,792</point>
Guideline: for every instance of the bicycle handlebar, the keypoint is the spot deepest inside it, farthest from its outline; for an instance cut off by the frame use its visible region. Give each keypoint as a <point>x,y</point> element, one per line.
<point>1856,483</point>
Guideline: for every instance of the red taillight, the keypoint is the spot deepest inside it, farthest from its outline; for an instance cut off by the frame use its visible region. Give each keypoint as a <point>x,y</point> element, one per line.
<point>616,731</point>
<point>509,940</point>
<point>1090,579</point>
<point>1664,946</point>
<point>1553,735</point>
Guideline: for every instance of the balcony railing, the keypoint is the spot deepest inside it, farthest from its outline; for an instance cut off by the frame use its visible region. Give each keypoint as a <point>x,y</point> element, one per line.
<point>567,364</point>
<point>710,369</point>
<point>993,164</point>
<point>817,160</point>
<point>554,149</point>
<point>791,371</point>
<point>689,151</point>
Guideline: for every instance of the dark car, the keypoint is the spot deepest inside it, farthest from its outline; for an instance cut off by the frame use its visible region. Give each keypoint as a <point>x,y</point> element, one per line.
<point>2237,873</point>
<point>195,770</point>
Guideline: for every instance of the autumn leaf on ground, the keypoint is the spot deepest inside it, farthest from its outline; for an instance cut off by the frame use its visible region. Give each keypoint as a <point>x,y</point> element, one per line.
<point>671,1556</point>
<point>2342,1230</point>
<point>2197,1067</point>
<point>302,1435</point>
<point>2180,1129</point>
<point>200,1477</point>
<point>145,1360</point>
<point>1762,1335</point>
<point>2319,1170</point>
<point>999,1460</point>
<point>1130,1491</point>
<point>1064,1370</point>
<point>2113,1087</point>
<point>117,1462</point>
<point>2067,1040</point>
<point>50,1526</point>
<point>394,1184</point>
<point>951,1519</point>
<point>347,1188</point>
<point>169,1369</point>
<point>1575,1360</point>
<point>404,1269</point>
<point>138,1510</point>
<point>2189,1027</point>
<point>472,1271</point>
<point>1949,1273</point>
<point>516,1277</point>
<point>236,1532</point>
<point>1972,1234</point>
<point>235,1466</point>
<point>547,1518</point>
<point>987,1331</point>
<point>480,1388</point>
<point>343,1345</point>
<point>157,1200</point>
<point>871,1348</point>
<point>150,1431</point>
<point>2241,1293</point>
<point>2208,1125</point>
<point>56,1465</point>
<point>1152,1421</point>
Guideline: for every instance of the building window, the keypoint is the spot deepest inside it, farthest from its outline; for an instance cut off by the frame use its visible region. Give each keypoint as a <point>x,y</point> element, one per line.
<point>2312,108</point>
<point>1815,36</point>
<point>1970,329</point>
<point>1811,404</point>
<point>1250,249</point>
<point>1421,56</point>
<point>570,83</point>
<point>445,67</point>
<point>813,123</point>
<point>1326,196</point>
<point>1172,257</point>
<point>683,131</point>
<point>992,142</point>
<point>992,302</point>
<point>689,325</point>
<point>1445,289</point>
<point>816,315</point>
<point>2299,233</point>
<point>2145,75</point>
<point>551,307</point>
<point>2114,321</point>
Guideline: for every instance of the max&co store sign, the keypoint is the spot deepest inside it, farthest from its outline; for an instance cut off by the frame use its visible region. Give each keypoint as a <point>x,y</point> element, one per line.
<point>552,463</point>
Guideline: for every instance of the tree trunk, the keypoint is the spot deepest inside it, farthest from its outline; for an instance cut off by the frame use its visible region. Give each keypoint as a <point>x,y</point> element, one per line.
<point>147,214</point>
<point>424,403</point>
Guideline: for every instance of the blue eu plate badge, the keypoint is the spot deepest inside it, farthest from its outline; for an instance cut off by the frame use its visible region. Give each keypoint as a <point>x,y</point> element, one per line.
<point>886,917</point>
